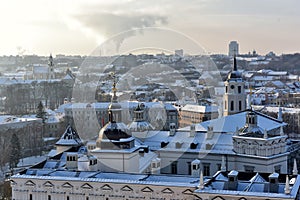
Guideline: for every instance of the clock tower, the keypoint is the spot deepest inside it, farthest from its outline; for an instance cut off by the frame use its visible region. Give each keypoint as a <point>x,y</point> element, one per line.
<point>234,99</point>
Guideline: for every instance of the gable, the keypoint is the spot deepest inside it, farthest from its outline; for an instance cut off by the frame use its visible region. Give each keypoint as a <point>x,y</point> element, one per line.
<point>187,191</point>
<point>167,191</point>
<point>147,189</point>
<point>29,183</point>
<point>48,184</point>
<point>106,187</point>
<point>126,188</point>
<point>66,185</point>
<point>86,186</point>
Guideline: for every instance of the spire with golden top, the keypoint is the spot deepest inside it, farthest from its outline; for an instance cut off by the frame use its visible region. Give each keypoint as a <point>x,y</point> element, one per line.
<point>114,89</point>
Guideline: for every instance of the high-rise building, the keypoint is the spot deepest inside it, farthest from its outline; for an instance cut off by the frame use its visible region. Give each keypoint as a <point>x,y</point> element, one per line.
<point>179,52</point>
<point>233,48</point>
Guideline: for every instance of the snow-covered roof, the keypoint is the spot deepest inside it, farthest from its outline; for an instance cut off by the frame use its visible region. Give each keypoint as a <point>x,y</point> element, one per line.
<point>277,73</point>
<point>250,184</point>
<point>228,124</point>
<point>40,69</point>
<point>276,109</point>
<point>200,109</point>
<point>262,78</point>
<point>218,143</point>
<point>69,138</point>
<point>140,126</point>
<point>8,119</point>
<point>105,177</point>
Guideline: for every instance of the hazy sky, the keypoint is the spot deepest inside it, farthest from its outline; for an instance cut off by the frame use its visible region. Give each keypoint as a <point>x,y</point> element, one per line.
<point>78,27</point>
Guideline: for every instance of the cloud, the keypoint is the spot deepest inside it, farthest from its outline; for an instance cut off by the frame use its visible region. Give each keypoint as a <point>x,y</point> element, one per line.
<point>109,24</point>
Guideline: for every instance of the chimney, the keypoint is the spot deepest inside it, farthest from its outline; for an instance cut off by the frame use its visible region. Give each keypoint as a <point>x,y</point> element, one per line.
<point>249,101</point>
<point>279,117</point>
<point>195,165</point>
<point>273,183</point>
<point>172,129</point>
<point>192,130</point>
<point>155,166</point>
<point>210,132</point>
<point>72,161</point>
<point>223,165</point>
<point>281,131</point>
<point>232,180</point>
<point>265,134</point>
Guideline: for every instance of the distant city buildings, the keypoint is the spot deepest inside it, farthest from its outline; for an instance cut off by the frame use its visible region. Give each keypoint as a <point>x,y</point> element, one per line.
<point>145,147</point>
<point>194,114</point>
<point>179,52</point>
<point>233,49</point>
<point>28,130</point>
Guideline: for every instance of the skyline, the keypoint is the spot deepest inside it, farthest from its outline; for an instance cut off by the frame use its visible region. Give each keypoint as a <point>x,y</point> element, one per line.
<point>65,27</point>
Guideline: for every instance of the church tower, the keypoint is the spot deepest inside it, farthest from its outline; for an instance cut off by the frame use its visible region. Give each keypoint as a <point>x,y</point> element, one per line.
<point>51,74</point>
<point>234,99</point>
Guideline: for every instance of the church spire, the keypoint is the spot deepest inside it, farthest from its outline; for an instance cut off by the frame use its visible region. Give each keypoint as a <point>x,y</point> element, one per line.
<point>234,64</point>
<point>51,74</point>
<point>114,108</point>
<point>114,89</point>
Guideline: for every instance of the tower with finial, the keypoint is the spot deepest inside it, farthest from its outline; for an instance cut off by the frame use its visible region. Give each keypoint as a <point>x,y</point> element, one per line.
<point>114,109</point>
<point>234,99</point>
<point>51,74</point>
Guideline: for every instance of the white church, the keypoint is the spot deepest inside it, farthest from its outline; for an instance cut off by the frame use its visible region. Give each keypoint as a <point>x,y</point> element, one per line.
<point>216,159</point>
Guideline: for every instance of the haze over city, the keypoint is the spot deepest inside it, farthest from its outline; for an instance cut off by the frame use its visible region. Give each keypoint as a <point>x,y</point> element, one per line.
<point>78,27</point>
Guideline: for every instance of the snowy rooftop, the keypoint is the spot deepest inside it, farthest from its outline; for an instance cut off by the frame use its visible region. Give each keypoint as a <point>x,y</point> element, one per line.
<point>70,138</point>
<point>105,177</point>
<point>229,124</point>
<point>6,119</point>
<point>182,142</point>
<point>200,109</point>
<point>250,184</point>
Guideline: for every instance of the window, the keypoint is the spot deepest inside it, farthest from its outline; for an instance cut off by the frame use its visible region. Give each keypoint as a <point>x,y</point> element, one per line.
<point>249,168</point>
<point>189,168</point>
<point>193,145</point>
<point>277,169</point>
<point>232,105</point>
<point>225,104</point>
<point>49,197</point>
<point>219,167</point>
<point>239,89</point>
<point>153,165</point>
<point>240,105</point>
<point>272,180</point>
<point>30,196</point>
<point>174,167</point>
<point>195,166</point>
<point>206,169</point>
<point>226,88</point>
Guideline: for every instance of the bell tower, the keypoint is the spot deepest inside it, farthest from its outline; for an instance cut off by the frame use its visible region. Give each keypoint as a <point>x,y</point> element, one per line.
<point>51,74</point>
<point>234,99</point>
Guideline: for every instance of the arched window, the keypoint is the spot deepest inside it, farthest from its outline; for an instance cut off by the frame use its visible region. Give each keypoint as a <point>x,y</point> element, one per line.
<point>232,105</point>
<point>239,89</point>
